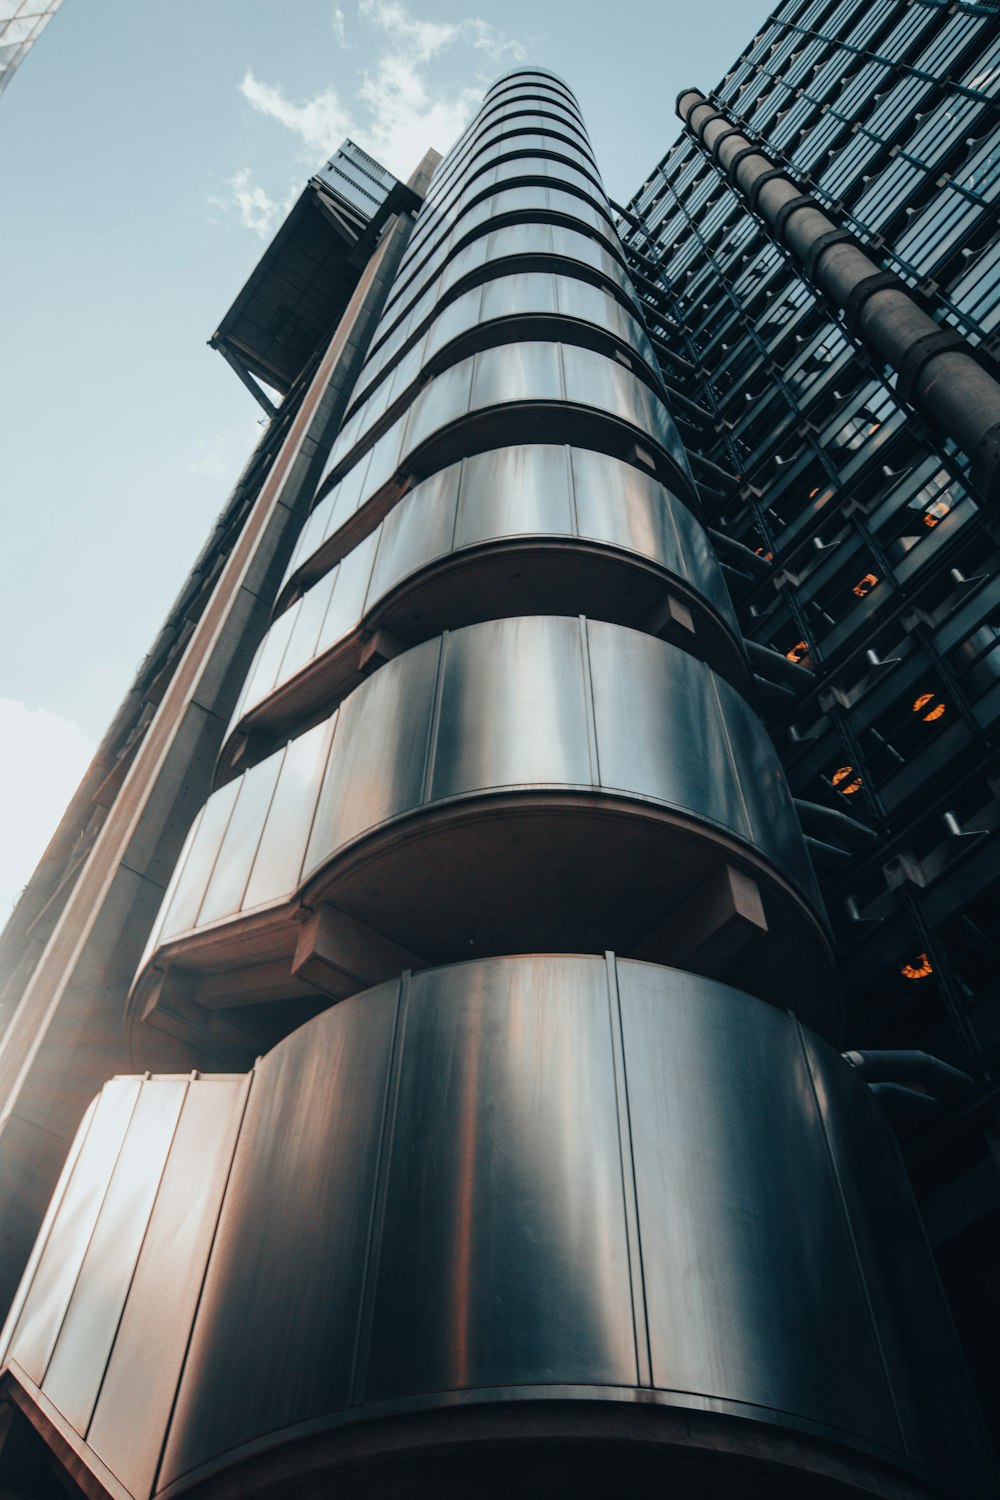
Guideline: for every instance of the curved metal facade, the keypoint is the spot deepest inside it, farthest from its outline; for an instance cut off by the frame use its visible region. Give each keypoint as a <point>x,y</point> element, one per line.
<point>630,1215</point>
<point>525,1180</point>
<point>504,756</point>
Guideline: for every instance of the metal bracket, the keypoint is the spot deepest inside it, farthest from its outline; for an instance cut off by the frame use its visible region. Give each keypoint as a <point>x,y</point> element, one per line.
<point>820,243</point>
<point>881,281</point>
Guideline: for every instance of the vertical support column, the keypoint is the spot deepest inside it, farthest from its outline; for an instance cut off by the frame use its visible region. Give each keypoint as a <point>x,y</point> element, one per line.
<point>65,1038</point>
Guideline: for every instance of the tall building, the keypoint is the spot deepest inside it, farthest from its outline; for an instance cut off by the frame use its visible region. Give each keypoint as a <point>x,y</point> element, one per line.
<point>475,972</point>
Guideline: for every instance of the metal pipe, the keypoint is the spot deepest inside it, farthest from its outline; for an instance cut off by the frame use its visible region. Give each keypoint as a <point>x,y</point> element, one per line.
<point>909,1066</point>
<point>686,404</point>
<point>722,476</point>
<point>833,824</point>
<point>743,557</point>
<point>938,369</point>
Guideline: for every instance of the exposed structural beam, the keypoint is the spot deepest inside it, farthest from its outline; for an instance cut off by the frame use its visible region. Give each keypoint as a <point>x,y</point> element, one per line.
<point>939,372</point>
<point>626,214</point>
<point>256,391</point>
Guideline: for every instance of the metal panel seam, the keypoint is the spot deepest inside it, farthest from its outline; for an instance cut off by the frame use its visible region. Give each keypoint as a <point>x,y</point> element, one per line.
<point>218,851</point>
<point>752,837</point>
<point>430,748</point>
<point>637,1277</point>
<point>248,1085</point>
<point>380,1193</point>
<point>145,1235</point>
<point>590,709</point>
<point>458,513</point>
<point>45,1233</point>
<point>333,722</point>
<point>90,1236</point>
<point>260,836</point>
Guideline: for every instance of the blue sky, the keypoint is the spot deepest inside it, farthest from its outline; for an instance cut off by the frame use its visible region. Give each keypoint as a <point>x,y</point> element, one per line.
<point>147,153</point>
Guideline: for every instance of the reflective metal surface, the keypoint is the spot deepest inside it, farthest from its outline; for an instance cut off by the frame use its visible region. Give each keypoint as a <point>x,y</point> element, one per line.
<point>530,203</point>
<point>638,774</point>
<point>290,1254</point>
<point>568,248</point>
<point>495,146</point>
<point>37,1328</point>
<point>540,494</point>
<point>533,1179</point>
<point>519,733</point>
<point>527,295</point>
<point>140,1380</point>
<point>466,211</point>
<point>90,1320</point>
<point>515,374</point>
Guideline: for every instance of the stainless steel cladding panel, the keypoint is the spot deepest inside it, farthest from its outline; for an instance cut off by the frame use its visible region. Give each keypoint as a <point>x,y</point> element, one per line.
<point>198,861</point>
<point>372,777</point>
<point>644,717</point>
<point>416,533</point>
<point>532,1178</point>
<point>505,1150</point>
<point>137,1393</point>
<point>753,1284</point>
<point>278,863</point>
<point>514,491</point>
<point>591,725</point>
<point>525,722</point>
<point>238,849</point>
<point>276,1331</point>
<point>78,1361</point>
<point>646,741</point>
<point>33,1337</point>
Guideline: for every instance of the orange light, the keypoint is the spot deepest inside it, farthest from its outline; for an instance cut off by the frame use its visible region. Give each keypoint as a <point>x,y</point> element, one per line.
<point>848,775</point>
<point>936,712</point>
<point>865,585</point>
<point>918,969</point>
<point>936,512</point>
<point>798,651</point>
<point>813,492</point>
<point>767,556</point>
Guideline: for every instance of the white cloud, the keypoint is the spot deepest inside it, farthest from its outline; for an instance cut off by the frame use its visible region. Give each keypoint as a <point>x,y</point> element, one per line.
<point>42,758</point>
<point>425,39</point>
<point>321,122</point>
<point>398,107</point>
<point>252,204</point>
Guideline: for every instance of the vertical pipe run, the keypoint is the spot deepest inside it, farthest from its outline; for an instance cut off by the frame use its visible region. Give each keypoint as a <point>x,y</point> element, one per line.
<point>938,369</point>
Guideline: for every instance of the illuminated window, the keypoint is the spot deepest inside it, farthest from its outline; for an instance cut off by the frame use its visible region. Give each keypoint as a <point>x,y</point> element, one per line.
<point>856,430</point>
<point>934,500</point>
<point>865,585</point>
<point>918,968</point>
<point>929,707</point>
<point>798,651</point>
<point>846,780</point>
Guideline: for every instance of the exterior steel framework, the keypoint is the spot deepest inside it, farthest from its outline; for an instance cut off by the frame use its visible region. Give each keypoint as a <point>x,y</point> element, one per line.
<point>821,249</point>
<point>517,1151</point>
